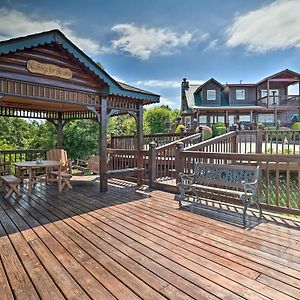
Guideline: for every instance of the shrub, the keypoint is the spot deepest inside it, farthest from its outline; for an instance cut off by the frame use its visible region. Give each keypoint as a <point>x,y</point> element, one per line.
<point>207,132</point>
<point>296,126</point>
<point>180,128</point>
<point>218,129</point>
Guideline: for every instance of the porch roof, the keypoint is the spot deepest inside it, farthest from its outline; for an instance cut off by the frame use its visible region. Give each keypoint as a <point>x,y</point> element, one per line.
<point>287,76</point>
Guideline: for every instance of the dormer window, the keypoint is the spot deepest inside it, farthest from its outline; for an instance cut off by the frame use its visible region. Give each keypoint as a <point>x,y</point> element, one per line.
<point>211,95</point>
<point>240,94</point>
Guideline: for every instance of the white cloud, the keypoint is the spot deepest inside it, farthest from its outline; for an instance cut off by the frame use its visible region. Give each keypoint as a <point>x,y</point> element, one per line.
<point>165,84</point>
<point>14,23</point>
<point>143,42</point>
<point>159,83</point>
<point>212,45</point>
<point>171,102</point>
<point>275,26</point>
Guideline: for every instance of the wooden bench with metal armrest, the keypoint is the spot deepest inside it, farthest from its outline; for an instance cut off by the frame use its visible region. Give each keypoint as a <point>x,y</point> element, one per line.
<point>216,182</point>
<point>10,181</point>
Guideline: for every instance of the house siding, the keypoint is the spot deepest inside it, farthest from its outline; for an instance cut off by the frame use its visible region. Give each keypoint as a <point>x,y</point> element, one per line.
<point>250,95</point>
<point>203,94</point>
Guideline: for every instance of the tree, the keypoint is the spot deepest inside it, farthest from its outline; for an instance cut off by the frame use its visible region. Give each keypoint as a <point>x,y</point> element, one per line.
<point>43,136</point>
<point>15,132</point>
<point>155,119</point>
<point>81,138</point>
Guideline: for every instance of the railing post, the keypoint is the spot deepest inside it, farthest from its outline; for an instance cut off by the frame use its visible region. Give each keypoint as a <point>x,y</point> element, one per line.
<point>178,162</point>
<point>202,134</point>
<point>152,163</point>
<point>112,141</point>
<point>259,138</point>
<point>234,142</point>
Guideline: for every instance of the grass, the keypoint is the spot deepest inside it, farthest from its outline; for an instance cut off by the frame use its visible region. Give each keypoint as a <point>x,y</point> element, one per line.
<point>282,190</point>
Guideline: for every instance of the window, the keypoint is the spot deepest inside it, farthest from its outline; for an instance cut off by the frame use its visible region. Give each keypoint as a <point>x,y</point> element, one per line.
<point>231,120</point>
<point>265,118</point>
<point>188,120</point>
<point>240,94</point>
<point>221,119</point>
<point>211,95</point>
<point>245,118</point>
<point>202,119</point>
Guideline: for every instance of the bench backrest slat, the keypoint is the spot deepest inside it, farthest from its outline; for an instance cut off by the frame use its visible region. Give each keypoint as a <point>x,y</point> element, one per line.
<point>225,175</point>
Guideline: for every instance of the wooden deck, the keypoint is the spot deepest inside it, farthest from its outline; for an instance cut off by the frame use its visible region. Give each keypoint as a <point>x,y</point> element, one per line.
<point>129,245</point>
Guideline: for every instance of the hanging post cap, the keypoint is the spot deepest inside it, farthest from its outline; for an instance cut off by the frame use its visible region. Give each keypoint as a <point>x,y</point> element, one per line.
<point>152,145</point>
<point>179,145</point>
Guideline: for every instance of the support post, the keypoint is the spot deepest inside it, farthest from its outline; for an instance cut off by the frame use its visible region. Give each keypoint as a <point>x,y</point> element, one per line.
<point>59,127</point>
<point>140,141</point>
<point>268,91</point>
<point>152,163</point>
<point>234,141</point>
<point>178,161</point>
<point>103,146</point>
<point>259,138</point>
<point>226,121</point>
<point>202,130</point>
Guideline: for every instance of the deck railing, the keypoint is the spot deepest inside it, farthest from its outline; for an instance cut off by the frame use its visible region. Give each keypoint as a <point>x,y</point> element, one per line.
<point>279,100</point>
<point>127,158</point>
<point>252,141</point>
<point>162,158</point>
<point>280,177</point>
<point>129,141</point>
<point>14,156</point>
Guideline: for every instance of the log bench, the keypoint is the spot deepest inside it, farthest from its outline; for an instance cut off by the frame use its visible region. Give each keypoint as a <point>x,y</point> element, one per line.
<point>218,182</point>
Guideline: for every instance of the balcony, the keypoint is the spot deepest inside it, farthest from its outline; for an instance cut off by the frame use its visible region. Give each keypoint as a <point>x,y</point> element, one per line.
<point>279,101</point>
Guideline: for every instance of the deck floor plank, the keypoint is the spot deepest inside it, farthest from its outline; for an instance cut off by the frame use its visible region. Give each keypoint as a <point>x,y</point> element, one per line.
<point>138,245</point>
<point>159,285</point>
<point>123,207</point>
<point>43,283</point>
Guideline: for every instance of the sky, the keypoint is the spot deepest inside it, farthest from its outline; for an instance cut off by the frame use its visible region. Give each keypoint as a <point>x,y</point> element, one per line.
<point>155,44</point>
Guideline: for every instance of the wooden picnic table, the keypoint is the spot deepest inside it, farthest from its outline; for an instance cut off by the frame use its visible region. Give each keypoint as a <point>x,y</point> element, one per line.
<point>32,165</point>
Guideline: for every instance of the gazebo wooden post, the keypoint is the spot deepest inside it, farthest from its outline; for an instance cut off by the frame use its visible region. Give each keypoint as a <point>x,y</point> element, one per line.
<point>103,146</point>
<point>59,128</point>
<point>140,140</point>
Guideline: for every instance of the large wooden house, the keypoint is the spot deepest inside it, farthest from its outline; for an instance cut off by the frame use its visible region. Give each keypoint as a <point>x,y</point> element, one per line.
<point>268,101</point>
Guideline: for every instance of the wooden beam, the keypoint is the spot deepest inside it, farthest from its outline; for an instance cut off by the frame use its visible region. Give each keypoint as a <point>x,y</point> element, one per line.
<point>284,79</point>
<point>59,131</point>
<point>103,146</point>
<point>140,141</point>
<point>268,93</point>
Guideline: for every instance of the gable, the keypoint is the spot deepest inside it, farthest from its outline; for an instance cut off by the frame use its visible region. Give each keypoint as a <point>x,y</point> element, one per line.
<point>17,66</point>
<point>55,37</point>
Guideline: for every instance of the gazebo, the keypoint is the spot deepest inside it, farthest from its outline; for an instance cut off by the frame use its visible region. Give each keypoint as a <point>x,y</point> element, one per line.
<point>46,76</point>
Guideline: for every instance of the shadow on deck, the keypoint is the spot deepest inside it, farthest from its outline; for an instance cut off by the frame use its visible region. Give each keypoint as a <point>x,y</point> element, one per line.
<point>131,243</point>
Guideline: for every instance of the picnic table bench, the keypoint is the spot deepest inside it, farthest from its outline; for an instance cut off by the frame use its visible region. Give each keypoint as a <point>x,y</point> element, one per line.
<point>216,182</point>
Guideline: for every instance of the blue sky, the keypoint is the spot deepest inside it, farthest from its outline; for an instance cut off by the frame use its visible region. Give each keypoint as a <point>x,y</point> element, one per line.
<point>154,44</point>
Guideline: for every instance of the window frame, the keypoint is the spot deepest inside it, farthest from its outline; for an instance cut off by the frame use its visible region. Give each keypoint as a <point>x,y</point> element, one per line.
<point>209,98</point>
<point>236,94</point>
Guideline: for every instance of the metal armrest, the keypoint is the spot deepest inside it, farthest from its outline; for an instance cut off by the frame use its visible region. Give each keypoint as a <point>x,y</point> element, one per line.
<point>186,179</point>
<point>250,187</point>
